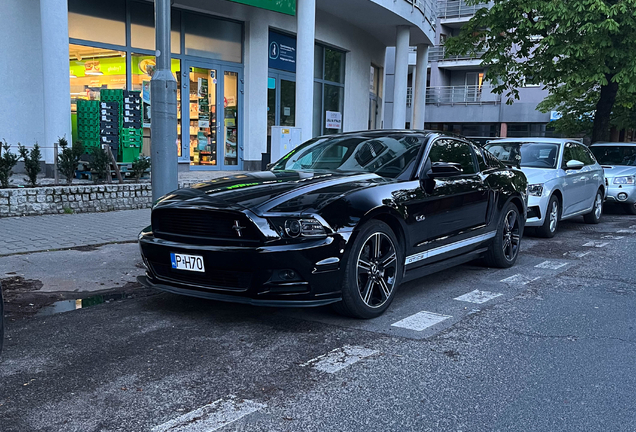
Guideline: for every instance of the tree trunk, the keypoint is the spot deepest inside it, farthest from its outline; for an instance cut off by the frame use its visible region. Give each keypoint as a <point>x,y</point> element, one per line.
<point>601,131</point>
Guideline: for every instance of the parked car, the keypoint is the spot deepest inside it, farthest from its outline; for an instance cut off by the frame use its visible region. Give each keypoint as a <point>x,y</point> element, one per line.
<point>619,162</point>
<point>340,219</point>
<point>565,180</point>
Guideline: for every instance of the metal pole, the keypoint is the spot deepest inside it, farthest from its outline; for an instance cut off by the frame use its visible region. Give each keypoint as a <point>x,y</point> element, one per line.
<point>57,176</point>
<point>163,109</point>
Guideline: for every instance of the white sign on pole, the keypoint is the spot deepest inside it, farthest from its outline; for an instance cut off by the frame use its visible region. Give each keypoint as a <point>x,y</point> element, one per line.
<point>333,120</point>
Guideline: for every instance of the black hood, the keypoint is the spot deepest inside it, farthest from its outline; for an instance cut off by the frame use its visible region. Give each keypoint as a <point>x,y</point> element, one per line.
<point>272,191</point>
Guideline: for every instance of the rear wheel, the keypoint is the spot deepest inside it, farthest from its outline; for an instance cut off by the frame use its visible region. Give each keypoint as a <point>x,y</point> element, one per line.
<point>594,216</point>
<point>504,249</point>
<point>630,208</point>
<point>373,273</point>
<point>552,216</point>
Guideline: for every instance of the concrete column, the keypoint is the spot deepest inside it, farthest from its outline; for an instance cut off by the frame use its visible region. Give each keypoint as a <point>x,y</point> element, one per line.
<point>255,101</point>
<point>419,90</point>
<point>401,76</point>
<point>305,41</point>
<point>55,74</point>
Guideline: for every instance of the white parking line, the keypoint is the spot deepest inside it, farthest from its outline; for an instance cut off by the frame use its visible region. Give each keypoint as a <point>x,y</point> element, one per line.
<point>577,254</point>
<point>627,231</point>
<point>421,321</point>
<point>339,358</point>
<point>596,244</point>
<point>612,237</point>
<point>551,265</point>
<point>211,417</point>
<point>478,296</point>
<point>519,279</point>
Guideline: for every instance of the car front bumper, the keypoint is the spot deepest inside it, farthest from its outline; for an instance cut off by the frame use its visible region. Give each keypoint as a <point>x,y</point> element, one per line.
<point>620,193</point>
<point>252,275</point>
<point>537,207</point>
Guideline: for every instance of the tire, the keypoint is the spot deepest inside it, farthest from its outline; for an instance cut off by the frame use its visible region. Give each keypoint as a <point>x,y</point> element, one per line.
<point>505,247</point>
<point>630,208</point>
<point>552,217</point>
<point>594,216</point>
<point>371,277</point>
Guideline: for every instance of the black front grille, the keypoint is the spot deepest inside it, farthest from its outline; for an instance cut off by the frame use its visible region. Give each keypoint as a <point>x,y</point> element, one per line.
<point>202,225</point>
<point>234,280</point>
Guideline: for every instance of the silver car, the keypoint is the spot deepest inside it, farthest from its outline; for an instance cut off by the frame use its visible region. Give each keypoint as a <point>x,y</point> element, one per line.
<point>564,179</point>
<point>619,162</point>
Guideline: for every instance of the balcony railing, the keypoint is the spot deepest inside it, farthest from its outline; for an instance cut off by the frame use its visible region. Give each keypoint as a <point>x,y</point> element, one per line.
<point>470,94</point>
<point>458,9</point>
<point>438,54</point>
<point>428,8</point>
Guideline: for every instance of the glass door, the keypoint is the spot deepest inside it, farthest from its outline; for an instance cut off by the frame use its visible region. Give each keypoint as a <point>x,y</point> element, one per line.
<point>202,110</point>
<point>281,102</point>
<point>231,131</point>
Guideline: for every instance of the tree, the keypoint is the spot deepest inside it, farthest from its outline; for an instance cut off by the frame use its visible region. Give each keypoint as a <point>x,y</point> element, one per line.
<point>577,49</point>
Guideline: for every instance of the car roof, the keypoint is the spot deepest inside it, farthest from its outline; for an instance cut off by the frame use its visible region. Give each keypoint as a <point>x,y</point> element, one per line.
<point>533,139</point>
<point>628,144</point>
<point>379,133</point>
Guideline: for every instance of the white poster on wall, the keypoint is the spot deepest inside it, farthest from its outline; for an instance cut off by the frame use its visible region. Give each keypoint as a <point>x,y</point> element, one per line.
<point>333,120</point>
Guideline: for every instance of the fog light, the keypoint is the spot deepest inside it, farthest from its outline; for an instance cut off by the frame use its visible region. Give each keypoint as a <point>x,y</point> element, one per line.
<point>622,196</point>
<point>287,274</point>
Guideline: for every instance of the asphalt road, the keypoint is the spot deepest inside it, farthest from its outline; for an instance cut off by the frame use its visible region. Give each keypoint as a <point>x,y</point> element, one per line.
<point>553,348</point>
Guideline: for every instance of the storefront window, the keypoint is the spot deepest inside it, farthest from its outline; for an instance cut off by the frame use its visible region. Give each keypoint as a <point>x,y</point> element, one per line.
<point>334,66</point>
<point>142,27</point>
<point>94,69</point>
<point>97,20</point>
<point>213,38</point>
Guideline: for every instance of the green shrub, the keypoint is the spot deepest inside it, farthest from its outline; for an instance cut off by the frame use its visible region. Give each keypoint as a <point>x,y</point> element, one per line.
<point>8,160</point>
<point>100,165</point>
<point>139,166</point>
<point>68,159</point>
<point>31,163</point>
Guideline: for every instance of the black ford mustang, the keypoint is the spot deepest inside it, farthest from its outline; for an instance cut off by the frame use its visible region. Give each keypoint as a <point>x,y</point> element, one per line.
<point>341,219</point>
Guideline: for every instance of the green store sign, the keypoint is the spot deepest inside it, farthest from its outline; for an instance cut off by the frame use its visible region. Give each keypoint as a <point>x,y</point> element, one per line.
<point>283,6</point>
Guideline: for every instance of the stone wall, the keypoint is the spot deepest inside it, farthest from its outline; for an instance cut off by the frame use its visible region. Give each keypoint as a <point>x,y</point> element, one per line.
<point>76,199</point>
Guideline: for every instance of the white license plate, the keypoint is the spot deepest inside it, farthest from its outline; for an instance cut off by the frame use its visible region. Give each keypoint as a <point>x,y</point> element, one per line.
<point>187,262</point>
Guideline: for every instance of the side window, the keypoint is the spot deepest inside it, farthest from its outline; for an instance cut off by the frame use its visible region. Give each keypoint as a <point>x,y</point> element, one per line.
<point>587,154</point>
<point>481,158</point>
<point>569,153</point>
<point>452,151</point>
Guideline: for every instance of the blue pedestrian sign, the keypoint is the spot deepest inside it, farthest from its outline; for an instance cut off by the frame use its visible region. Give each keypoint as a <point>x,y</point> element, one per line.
<point>282,52</point>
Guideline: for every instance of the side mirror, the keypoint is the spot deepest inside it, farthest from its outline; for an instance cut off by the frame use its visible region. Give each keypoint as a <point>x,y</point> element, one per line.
<point>574,165</point>
<point>444,169</point>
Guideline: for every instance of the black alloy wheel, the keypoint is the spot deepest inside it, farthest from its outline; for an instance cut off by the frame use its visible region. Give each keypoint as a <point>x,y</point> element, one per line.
<point>373,273</point>
<point>504,249</point>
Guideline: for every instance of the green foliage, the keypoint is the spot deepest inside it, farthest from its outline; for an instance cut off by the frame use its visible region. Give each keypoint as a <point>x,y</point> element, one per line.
<point>8,160</point>
<point>100,165</point>
<point>139,166</point>
<point>31,163</point>
<point>575,48</point>
<point>68,159</point>
<point>68,210</point>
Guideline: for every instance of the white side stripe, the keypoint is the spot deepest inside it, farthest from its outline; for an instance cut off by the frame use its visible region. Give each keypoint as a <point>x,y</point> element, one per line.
<point>450,247</point>
<point>211,417</point>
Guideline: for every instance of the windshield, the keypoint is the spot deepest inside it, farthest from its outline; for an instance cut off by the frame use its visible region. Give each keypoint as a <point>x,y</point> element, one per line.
<point>615,155</point>
<point>388,156</point>
<point>526,154</point>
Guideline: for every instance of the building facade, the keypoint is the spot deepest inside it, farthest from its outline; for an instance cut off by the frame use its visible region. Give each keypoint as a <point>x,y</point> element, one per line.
<point>457,98</point>
<point>242,67</point>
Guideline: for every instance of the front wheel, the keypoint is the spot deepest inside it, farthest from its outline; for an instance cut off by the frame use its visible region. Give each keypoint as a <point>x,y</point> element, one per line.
<point>504,248</point>
<point>373,273</point>
<point>551,221</point>
<point>594,216</point>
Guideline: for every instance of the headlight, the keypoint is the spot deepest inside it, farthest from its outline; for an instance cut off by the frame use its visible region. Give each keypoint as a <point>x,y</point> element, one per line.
<point>535,189</point>
<point>294,228</point>
<point>625,180</point>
